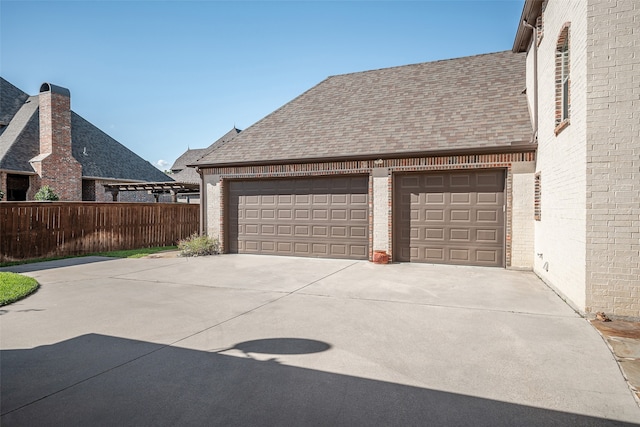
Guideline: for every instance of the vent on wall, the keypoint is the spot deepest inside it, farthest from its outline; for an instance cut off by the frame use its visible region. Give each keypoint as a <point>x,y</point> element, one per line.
<point>537,213</point>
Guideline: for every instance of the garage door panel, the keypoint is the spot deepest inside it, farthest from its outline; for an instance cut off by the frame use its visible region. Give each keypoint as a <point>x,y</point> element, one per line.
<point>460,235</point>
<point>320,214</point>
<point>283,214</point>
<point>458,199</point>
<point>267,213</point>
<point>338,214</point>
<point>320,231</point>
<point>358,251</point>
<point>488,236</point>
<point>431,215</point>
<point>285,199</point>
<point>433,234</point>
<point>360,232</point>
<point>302,199</point>
<point>359,199</point>
<point>320,217</point>
<point>431,255</point>
<point>488,199</point>
<point>460,180</point>
<point>450,217</point>
<point>459,215</point>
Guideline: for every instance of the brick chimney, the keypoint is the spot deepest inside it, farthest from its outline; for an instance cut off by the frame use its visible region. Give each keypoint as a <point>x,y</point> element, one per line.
<point>55,164</point>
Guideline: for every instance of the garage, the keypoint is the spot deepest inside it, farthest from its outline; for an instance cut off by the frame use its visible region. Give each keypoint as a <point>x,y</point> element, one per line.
<point>312,217</point>
<point>450,217</point>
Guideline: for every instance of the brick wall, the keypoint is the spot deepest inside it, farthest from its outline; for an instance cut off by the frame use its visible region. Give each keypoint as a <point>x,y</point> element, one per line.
<point>613,157</point>
<point>380,209</point>
<point>55,165</point>
<point>380,212</point>
<point>522,210</point>
<point>560,235</point>
<point>214,206</point>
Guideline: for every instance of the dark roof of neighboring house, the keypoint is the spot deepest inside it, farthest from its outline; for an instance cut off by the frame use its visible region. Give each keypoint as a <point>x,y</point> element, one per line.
<point>183,173</point>
<point>100,155</point>
<point>457,104</point>
<point>188,157</point>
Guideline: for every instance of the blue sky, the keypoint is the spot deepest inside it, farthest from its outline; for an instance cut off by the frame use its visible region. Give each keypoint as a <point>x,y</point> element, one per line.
<point>162,76</point>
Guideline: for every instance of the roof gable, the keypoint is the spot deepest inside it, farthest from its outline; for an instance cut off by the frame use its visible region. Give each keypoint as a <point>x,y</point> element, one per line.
<point>465,103</point>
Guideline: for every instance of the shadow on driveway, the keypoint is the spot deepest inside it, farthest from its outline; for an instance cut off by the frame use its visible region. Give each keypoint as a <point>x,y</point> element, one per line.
<point>103,380</point>
<point>58,263</point>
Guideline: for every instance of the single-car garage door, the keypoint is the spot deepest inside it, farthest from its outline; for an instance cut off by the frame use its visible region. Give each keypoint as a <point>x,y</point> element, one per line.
<point>450,217</point>
<point>315,217</point>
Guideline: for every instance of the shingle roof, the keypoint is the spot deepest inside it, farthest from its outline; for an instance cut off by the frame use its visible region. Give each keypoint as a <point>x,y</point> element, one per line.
<point>188,157</point>
<point>183,173</point>
<point>19,142</point>
<point>100,155</point>
<point>456,104</point>
<point>107,158</point>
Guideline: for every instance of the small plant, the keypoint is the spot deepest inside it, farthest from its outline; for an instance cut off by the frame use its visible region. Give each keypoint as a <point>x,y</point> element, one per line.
<point>46,193</point>
<point>198,246</point>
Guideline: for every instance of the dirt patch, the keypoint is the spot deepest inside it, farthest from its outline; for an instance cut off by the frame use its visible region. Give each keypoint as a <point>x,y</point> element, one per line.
<point>165,254</point>
<point>618,328</point>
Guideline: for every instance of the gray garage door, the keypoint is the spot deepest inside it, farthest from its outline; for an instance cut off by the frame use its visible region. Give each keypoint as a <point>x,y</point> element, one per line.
<point>315,217</point>
<point>450,217</point>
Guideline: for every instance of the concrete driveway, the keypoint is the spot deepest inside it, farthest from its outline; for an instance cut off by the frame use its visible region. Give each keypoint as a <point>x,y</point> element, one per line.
<point>258,340</point>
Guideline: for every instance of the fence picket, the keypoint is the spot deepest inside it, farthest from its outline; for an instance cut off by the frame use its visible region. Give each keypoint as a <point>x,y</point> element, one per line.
<point>45,229</point>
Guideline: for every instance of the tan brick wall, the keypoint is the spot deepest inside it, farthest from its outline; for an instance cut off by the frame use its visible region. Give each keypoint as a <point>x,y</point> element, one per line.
<point>522,209</point>
<point>381,212</point>
<point>613,157</point>
<point>214,207</point>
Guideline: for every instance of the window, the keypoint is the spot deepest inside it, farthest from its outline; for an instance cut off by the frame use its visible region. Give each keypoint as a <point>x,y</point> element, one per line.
<point>536,197</point>
<point>563,80</point>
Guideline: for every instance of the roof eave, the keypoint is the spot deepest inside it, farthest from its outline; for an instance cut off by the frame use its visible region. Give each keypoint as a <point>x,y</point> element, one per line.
<point>523,146</point>
<point>530,12</point>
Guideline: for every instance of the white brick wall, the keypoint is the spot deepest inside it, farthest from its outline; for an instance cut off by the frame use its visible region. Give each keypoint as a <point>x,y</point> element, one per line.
<point>613,157</point>
<point>560,235</point>
<point>522,225</point>
<point>381,213</point>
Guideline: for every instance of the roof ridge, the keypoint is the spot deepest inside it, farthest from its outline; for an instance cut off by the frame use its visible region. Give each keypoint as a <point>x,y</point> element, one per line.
<point>420,63</point>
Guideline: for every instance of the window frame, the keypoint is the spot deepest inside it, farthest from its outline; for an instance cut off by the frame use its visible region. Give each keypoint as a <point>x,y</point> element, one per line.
<point>563,80</point>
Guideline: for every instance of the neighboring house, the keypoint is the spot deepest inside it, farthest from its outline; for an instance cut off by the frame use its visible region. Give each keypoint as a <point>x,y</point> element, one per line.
<point>583,85</point>
<point>43,142</point>
<point>184,174</point>
<point>429,162</point>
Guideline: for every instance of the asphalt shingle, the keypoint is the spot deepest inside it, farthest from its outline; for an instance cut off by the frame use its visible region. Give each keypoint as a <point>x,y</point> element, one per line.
<point>464,103</point>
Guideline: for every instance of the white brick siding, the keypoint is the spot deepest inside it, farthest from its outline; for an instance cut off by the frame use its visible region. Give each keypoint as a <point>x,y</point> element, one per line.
<point>613,157</point>
<point>560,235</point>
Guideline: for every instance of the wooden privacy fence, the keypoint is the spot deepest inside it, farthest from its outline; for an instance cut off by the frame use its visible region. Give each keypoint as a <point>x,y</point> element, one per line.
<point>52,229</point>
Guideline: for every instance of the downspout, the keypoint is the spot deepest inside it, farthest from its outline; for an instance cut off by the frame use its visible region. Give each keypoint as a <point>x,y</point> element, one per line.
<point>203,200</point>
<point>534,137</point>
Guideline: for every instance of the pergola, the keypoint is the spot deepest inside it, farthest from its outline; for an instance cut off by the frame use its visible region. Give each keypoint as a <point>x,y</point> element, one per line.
<point>155,188</point>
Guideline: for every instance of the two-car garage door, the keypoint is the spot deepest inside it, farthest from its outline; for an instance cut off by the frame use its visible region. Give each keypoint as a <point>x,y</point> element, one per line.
<point>315,217</point>
<point>450,217</point>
